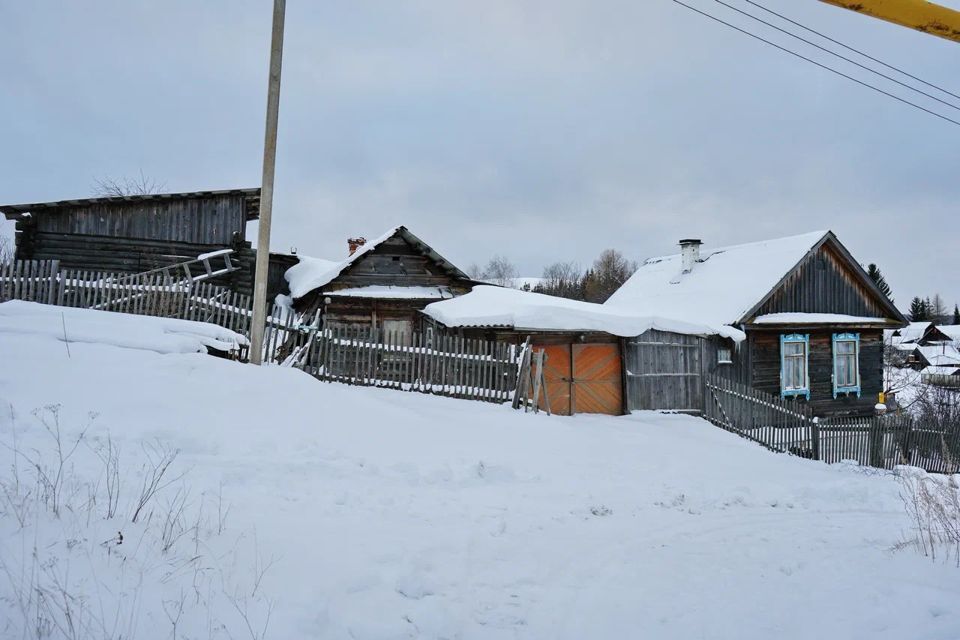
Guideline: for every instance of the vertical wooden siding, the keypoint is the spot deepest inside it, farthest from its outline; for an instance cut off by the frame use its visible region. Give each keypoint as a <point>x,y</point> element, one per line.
<point>209,220</point>
<point>664,371</point>
<point>823,284</point>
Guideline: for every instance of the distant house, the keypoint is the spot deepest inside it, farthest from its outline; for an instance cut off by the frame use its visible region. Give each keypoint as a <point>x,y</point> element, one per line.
<point>813,320</point>
<point>917,333</point>
<point>952,331</point>
<point>934,355</point>
<point>133,234</point>
<point>381,285</point>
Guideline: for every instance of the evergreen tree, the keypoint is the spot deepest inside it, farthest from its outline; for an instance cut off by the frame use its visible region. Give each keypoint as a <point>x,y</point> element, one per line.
<point>918,310</point>
<point>874,272</point>
<point>956,314</point>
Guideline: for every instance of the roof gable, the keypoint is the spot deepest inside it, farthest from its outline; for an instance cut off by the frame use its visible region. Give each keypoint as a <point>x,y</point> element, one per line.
<point>732,285</point>
<point>311,274</point>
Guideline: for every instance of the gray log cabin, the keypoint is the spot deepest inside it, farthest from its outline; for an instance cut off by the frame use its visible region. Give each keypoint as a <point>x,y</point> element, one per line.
<point>813,319</point>
<point>133,234</point>
<point>381,285</point>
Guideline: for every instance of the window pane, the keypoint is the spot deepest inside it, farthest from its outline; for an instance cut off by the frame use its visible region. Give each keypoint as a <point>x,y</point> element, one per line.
<point>792,348</point>
<point>846,346</point>
<point>846,371</point>
<point>794,373</point>
<point>843,371</point>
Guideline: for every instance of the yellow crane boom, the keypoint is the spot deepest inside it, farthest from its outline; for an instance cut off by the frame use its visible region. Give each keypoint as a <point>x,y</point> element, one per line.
<point>914,14</point>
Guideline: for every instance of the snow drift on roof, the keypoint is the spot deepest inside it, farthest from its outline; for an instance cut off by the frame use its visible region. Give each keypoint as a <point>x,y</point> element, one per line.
<point>488,306</point>
<point>394,292</point>
<point>313,273</point>
<point>814,318</point>
<point>720,289</point>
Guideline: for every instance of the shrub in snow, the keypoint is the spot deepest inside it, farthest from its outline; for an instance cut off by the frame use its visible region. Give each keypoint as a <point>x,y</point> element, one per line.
<point>933,504</point>
<point>91,550</point>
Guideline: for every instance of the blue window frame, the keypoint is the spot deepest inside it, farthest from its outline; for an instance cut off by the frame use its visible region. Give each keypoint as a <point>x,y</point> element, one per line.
<point>846,364</point>
<point>795,365</point>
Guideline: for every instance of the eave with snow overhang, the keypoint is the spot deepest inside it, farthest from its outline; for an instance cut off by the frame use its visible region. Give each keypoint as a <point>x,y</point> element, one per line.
<point>491,307</point>
<point>805,294</point>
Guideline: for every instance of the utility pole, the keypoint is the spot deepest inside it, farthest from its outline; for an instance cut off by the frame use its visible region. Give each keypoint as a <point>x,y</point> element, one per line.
<point>921,15</point>
<point>266,188</point>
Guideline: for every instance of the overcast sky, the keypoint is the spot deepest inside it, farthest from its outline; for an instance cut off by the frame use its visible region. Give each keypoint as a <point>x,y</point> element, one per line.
<point>542,131</point>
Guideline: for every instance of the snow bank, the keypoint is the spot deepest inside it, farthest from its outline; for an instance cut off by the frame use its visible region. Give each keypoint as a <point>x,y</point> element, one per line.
<point>162,335</point>
<point>488,306</point>
<point>373,514</point>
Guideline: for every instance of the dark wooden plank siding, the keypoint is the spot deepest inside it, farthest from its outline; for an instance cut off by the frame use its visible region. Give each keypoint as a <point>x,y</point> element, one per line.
<point>208,220</point>
<point>766,370</point>
<point>395,262</point>
<point>738,369</point>
<point>823,284</point>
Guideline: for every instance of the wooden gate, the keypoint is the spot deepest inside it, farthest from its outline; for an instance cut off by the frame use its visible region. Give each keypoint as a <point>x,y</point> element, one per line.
<point>583,378</point>
<point>664,372</point>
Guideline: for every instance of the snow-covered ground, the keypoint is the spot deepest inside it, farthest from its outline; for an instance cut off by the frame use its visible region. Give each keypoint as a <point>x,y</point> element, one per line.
<point>365,513</point>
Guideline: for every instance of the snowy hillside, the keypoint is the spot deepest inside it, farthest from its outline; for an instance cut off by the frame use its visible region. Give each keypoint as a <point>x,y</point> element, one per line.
<point>297,509</point>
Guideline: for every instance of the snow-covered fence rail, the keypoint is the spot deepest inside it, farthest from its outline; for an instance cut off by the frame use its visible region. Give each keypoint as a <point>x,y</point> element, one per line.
<point>426,363</point>
<point>155,293</point>
<point>789,426</point>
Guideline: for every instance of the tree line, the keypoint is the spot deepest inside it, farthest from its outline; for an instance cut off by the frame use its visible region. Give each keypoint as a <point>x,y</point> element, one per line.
<point>569,280</point>
<point>927,309</point>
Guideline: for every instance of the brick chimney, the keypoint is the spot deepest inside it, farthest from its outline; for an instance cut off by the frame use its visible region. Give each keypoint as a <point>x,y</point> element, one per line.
<point>690,253</point>
<point>355,243</point>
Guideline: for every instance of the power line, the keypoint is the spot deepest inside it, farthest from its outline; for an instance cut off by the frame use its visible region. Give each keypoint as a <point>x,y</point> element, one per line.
<point>819,64</point>
<point>834,53</point>
<point>857,51</point>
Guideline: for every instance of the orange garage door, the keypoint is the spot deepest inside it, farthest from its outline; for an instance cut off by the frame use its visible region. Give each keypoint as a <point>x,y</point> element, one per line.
<point>583,378</point>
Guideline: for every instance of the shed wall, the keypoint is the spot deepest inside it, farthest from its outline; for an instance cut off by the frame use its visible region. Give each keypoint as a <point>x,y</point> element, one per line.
<point>664,371</point>
<point>210,220</point>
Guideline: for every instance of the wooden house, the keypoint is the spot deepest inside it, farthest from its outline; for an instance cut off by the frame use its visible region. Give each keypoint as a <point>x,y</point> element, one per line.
<point>133,234</point>
<point>381,285</point>
<point>812,319</point>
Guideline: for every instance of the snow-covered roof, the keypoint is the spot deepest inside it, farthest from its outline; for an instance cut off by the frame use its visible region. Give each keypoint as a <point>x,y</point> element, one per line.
<point>721,288</point>
<point>313,273</point>
<point>941,371</point>
<point>912,332</point>
<point>942,355</point>
<point>951,330</point>
<point>391,292</point>
<point>489,306</point>
<point>814,318</point>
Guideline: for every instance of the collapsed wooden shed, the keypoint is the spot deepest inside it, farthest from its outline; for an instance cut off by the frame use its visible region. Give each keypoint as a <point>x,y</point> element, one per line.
<point>138,233</point>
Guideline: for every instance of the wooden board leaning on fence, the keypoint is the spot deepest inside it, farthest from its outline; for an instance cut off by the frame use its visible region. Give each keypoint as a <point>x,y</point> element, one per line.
<point>530,380</point>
